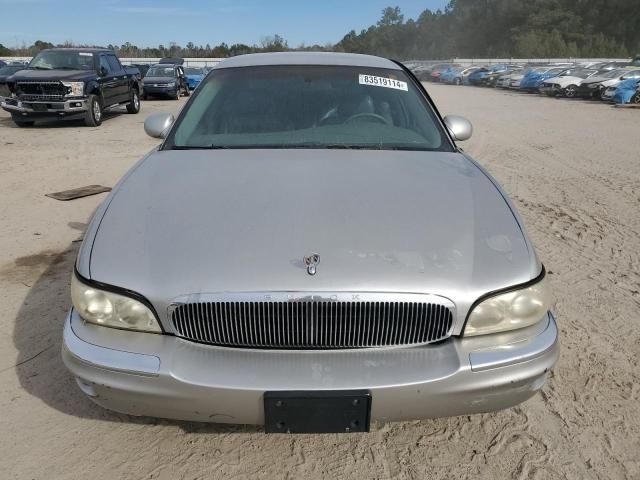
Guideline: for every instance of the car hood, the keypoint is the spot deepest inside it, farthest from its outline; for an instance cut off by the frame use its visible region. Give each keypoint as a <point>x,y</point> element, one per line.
<point>53,75</point>
<point>590,80</point>
<point>188,222</point>
<point>565,81</point>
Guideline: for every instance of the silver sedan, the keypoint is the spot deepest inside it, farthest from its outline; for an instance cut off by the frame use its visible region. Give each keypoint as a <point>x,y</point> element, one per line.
<point>308,249</point>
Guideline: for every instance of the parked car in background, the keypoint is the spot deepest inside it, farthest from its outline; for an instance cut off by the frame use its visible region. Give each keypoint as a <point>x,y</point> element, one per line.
<point>194,76</point>
<point>5,73</point>
<point>567,83</point>
<point>623,93</point>
<point>437,71</point>
<point>2,63</point>
<point>165,80</point>
<point>72,83</point>
<point>477,76</point>
<point>143,68</point>
<point>457,75</point>
<point>595,86</point>
<point>326,299</point>
<point>497,71</point>
<point>533,80</point>
<point>504,79</point>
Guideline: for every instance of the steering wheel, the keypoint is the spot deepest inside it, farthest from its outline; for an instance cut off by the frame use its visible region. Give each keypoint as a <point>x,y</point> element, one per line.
<point>373,116</point>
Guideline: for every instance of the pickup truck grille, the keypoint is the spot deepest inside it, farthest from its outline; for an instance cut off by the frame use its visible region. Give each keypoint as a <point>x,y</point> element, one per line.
<point>38,90</point>
<point>311,324</point>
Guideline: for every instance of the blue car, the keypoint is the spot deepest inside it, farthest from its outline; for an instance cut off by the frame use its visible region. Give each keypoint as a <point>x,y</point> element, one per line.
<point>534,78</point>
<point>194,76</point>
<point>627,91</point>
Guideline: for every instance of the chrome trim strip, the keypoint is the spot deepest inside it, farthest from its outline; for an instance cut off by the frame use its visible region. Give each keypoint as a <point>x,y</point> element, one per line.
<point>519,352</point>
<point>310,296</point>
<point>107,358</point>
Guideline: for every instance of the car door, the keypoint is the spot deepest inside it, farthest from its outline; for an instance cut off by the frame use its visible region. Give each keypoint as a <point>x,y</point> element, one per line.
<point>122,82</point>
<point>108,82</point>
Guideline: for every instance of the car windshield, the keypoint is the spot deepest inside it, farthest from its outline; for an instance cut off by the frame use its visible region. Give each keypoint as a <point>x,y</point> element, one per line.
<point>10,70</point>
<point>309,107</point>
<point>614,73</point>
<point>62,60</point>
<point>193,71</point>
<point>160,71</point>
<point>581,73</point>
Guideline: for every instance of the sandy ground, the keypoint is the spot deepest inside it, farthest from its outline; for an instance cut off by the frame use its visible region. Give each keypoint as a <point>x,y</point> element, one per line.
<point>573,169</point>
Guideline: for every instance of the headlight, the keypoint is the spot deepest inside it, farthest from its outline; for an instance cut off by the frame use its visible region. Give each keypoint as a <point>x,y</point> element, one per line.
<point>111,309</point>
<point>509,311</point>
<point>171,84</point>
<point>76,89</point>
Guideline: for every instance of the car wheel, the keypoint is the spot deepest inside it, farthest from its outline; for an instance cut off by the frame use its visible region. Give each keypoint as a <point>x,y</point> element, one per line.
<point>134,102</point>
<point>570,91</point>
<point>176,95</point>
<point>93,117</point>
<point>636,99</point>
<point>22,123</point>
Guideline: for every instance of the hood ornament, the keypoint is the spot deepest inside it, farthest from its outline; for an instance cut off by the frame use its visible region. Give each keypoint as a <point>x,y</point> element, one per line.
<point>312,261</point>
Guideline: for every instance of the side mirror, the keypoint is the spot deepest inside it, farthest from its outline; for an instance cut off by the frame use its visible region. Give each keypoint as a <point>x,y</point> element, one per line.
<point>102,71</point>
<point>459,127</point>
<point>157,125</point>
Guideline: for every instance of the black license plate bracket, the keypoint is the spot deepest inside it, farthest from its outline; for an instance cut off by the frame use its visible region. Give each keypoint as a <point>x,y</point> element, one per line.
<point>346,411</point>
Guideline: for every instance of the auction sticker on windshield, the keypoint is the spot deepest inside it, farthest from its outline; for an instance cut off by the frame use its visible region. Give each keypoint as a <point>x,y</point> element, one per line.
<point>383,82</point>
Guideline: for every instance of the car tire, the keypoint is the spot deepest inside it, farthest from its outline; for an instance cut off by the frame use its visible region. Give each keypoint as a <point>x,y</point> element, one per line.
<point>22,123</point>
<point>176,96</point>
<point>93,116</point>
<point>571,91</point>
<point>134,102</point>
<point>635,99</point>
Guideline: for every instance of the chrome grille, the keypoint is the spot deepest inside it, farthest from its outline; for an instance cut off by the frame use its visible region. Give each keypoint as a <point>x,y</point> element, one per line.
<point>312,323</point>
<point>42,98</point>
<point>41,89</point>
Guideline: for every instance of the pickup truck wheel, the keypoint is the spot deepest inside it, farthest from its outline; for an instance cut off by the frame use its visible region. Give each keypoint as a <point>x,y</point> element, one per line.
<point>93,117</point>
<point>22,123</point>
<point>134,102</point>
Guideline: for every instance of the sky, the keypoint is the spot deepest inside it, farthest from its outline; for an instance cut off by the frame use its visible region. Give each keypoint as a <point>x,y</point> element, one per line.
<point>148,23</point>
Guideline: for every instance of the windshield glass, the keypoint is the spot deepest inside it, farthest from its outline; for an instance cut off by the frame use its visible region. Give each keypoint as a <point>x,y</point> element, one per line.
<point>581,73</point>
<point>614,73</point>
<point>10,70</point>
<point>62,60</point>
<point>193,71</point>
<point>159,71</point>
<point>308,107</point>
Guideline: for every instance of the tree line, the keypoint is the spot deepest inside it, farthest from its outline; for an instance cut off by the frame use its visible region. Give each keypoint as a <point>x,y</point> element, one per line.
<point>465,28</point>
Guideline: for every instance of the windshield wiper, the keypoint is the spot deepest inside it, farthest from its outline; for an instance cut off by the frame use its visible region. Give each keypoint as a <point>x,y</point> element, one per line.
<point>41,68</point>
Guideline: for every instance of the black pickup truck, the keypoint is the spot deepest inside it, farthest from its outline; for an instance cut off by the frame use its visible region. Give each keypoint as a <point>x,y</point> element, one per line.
<point>72,83</point>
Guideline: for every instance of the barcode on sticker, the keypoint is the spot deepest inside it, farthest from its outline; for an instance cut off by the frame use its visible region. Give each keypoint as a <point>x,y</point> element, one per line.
<point>383,82</point>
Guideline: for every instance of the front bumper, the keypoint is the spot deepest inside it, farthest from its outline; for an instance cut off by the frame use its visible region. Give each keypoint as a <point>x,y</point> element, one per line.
<point>152,90</point>
<point>550,90</point>
<point>74,106</point>
<point>173,378</point>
